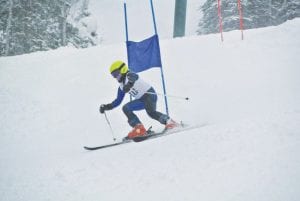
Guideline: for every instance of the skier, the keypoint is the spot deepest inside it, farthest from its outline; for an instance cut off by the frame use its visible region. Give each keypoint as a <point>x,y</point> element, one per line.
<point>144,98</point>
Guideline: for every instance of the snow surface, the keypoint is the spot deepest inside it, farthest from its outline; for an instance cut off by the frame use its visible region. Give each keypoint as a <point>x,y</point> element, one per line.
<point>247,91</point>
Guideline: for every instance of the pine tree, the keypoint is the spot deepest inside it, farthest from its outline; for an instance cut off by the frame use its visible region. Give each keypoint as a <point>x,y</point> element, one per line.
<point>256,13</point>
<point>31,25</point>
<point>5,25</point>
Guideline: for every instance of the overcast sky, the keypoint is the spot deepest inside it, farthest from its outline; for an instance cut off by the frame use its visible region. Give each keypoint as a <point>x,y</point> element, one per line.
<point>111,24</point>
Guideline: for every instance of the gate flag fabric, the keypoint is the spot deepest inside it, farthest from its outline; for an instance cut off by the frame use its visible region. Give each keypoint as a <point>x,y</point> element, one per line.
<point>144,54</point>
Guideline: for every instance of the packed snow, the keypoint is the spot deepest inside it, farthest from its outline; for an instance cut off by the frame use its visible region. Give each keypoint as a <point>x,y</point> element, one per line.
<point>246,92</point>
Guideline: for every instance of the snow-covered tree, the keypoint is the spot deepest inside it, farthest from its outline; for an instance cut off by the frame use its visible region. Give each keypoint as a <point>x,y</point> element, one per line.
<point>31,25</point>
<point>5,25</point>
<point>256,13</point>
<point>82,20</point>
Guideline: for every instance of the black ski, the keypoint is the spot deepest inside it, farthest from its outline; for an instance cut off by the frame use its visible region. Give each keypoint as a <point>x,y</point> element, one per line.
<point>108,145</point>
<point>124,141</point>
<point>164,132</point>
<point>150,135</point>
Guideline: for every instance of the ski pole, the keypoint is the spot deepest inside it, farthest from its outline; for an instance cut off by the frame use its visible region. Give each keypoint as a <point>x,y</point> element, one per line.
<point>111,130</point>
<point>171,96</point>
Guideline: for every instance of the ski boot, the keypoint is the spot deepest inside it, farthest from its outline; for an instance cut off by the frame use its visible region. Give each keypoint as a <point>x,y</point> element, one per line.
<point>138,130</point>
<point>171,124</point>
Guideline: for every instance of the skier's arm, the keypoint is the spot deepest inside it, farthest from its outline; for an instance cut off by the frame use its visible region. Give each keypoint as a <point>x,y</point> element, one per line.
<point>132,77</point>
<point>119,98</point>
<point>114,104</point>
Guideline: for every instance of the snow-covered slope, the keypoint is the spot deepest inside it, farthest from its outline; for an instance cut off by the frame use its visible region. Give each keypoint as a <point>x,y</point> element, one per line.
<point>247,91</point>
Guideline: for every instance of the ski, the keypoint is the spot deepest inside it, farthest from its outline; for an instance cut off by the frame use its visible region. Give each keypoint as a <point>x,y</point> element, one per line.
<point>150,135</point>
<point>108,145</point>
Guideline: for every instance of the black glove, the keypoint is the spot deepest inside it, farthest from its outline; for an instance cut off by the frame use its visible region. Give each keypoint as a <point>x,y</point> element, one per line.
<point>127,87</point>
<point>104,107</point>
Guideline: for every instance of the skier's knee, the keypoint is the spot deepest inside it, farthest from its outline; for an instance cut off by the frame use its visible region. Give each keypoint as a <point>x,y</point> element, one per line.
<point>125,109</point>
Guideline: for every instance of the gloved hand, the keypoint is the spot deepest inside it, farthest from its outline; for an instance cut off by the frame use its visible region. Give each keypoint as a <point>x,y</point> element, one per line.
<point>127,87</point>
<point>104,107</point>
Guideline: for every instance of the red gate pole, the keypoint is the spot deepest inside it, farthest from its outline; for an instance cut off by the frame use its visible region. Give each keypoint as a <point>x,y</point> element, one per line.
<point>220,19</point>
<point>241,18</point>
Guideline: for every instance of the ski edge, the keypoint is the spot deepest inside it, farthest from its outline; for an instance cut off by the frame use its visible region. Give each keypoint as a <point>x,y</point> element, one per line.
<point>184,127</point>
<point>151,136</point>
<point>106,146</point>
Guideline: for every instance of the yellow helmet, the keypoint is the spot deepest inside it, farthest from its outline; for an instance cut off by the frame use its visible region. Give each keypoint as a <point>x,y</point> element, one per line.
<point>119,65</point>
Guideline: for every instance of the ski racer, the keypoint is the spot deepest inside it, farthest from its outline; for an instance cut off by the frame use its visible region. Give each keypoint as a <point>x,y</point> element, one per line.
<point>144,98</point>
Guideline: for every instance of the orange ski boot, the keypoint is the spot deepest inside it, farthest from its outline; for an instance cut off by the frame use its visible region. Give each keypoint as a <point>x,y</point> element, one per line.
<point>171,124</point>
<point>138,130</point>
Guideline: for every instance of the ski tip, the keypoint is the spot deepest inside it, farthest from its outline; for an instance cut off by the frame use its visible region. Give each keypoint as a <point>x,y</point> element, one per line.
<point>90,148</point>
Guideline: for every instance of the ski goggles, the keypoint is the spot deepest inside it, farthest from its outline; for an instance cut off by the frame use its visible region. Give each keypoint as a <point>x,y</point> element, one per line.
<point>116,73</point>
